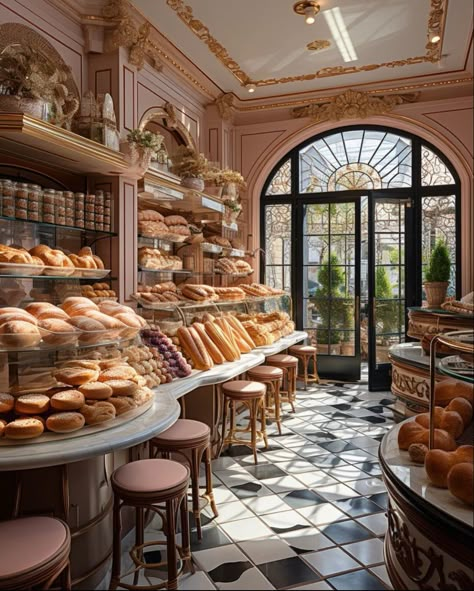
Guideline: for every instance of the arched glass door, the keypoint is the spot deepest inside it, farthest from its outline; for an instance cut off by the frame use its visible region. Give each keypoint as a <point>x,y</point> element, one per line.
<point>349,220</point>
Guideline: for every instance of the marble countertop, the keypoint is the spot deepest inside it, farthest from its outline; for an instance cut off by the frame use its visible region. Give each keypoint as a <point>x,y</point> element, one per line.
<point>226,371</point>
<point>160,416</point>
<point>412,353</point>
<point>413,476</point>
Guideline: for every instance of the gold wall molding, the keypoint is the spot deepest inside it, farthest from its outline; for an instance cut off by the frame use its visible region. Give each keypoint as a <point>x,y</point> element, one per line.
<point>353,104</point>
<point>436,25</point>
<point>318,44</point>
<point>126,33</point>
<point>225,105</point>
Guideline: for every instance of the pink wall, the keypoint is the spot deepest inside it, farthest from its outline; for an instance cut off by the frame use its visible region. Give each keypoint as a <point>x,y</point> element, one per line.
<point>446,124</point>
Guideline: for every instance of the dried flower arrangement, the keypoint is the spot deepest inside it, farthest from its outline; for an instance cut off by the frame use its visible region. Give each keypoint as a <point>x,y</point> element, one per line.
<point>145,139</point>
<point>27,73</point>
<point>187,163</point>
<point>219,178</point>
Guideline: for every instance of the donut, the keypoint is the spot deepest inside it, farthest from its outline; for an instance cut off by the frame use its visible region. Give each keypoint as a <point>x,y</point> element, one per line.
<point>24,429</point>
<point>122,387</point>
<point>7,402</point>
<point>31,404</point>
<point>65,422</point>
<point>96,391</point>
<point>67,400</point>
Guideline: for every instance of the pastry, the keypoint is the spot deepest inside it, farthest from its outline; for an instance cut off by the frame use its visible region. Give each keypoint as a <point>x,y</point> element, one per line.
<point>412,432</point>
<point>3,424</point>
<point>71,303</point>
<point>59,332</point>
<point>461,482</point>
<point>24,429</point>
<point>438,463</point>
<point>122,387</point>
<point>98,412</point>
<point>31,404</point>
<point>122,404</point>
<point>75,376</point>
<point>67,400</point>
<point>122,372</point>
<point>65,422</point>
<point>19,334</point>
<point>96,391</point>
<point>7,402</point>
<point>142,396</point>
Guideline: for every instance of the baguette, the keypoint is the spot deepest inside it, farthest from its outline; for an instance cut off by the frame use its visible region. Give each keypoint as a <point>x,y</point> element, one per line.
<point>220,340</point>
<point>242,345</point>
<point>188,343</point>
<point>201,347</point>
<point>239,327</point>
<point>227,330</point>
<point>212,349</point>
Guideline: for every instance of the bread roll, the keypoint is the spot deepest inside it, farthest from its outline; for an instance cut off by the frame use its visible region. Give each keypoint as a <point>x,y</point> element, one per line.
<point>463,407</point>
<point>122,387</point>
<point>121,372</point>
<point>76,300</point>
<point>122,404</point>
<point>43,310</point>
<point>31,404</point>
<point>18,314</point>
<point>412,432</point>
<point>461,482</point>
<point>99,412</point>
<point>109,322</point>
<point>24,429</point>
<point>96,391</point>
<point>67,400</point>
<point>59,332</point>
<point>449,389</point>
<point>75,376</point>
<point>7,403</point>
<point>65,422</point>
<point>86,363</point>
<point>3,424</point>
<point>443,419</point>
<point>91,330</point>
<point>438,463</point>
<point>417,452</point>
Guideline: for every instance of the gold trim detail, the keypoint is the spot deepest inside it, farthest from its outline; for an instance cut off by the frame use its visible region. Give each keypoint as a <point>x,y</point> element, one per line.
<point>318,44</point>
<point>300,7</point>
<point>436,25</point>
<point>168,113</point>
<point>126,33</point>
<point>225,105</point>
<point>353,104</point>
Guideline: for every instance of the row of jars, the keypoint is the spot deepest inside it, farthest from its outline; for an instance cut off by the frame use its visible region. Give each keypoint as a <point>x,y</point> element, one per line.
<point>31,202</point>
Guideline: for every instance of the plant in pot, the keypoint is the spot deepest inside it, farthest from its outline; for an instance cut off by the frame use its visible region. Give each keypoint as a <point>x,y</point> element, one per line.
<point>437,275</point>
<point>190,166</point>
<point>141,145</point>
<point>331,310</point>
<point>347,317</point>
<point>233,182</point>
<point>387,312</point>
<point>213,184</point>
<point>31,83</point>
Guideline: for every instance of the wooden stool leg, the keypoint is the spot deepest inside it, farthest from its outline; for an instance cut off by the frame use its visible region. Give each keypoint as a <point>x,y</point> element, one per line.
<point>276,395</point>
<point>117,545</point>
<point>171,545</point>
<point>185,533</point>
<point>139,537</point>
<point>224,423</point>
<point>195,461</point>
<point>306,360</point>
<point>253,427</point>
<point>209,491</point>
<point>292,387</point>
<point>315,369</point>
<point>232,422</point>
<point>263,421</point>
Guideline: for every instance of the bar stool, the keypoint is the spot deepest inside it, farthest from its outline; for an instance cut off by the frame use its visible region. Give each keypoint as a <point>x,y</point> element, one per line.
<point>252,395</point>
<point>193,437</point>
<point>289,365</point>
<point>306,353</point>
<point>35,551</point>
<point>272,377</point>
<point>142,485</point>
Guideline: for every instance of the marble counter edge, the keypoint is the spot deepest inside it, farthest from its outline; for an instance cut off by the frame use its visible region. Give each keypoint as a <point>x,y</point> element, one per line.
<point>162,415</point>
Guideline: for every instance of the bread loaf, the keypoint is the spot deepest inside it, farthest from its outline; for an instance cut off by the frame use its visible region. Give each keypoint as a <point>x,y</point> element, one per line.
<point>98,412</point>
<point>438,463</point>
<point>239,327</point>
<point>412,432</point>
<point>227,330</point>
<point>26,428</point>
<point>216,355</point>
<point>193,347</point>
<point>65,422</point>
<point>461,482</point>
<point>221,341</point>
<point>19,334</point>
<point>449,389</point>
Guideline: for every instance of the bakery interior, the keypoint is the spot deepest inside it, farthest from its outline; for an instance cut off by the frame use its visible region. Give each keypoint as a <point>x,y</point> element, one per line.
<point>236,294</point>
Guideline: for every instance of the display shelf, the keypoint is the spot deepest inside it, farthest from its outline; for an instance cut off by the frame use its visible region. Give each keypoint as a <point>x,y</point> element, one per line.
<point>211,248</point>
<point>174,240</point>
<point>26,137</point>
<point>57,277</point>
<point>75,345</point>
<point>440,312</point>
<point>204,304</point>
<point>456,367</point>
<point>161,271</point>
<point>95,233</point>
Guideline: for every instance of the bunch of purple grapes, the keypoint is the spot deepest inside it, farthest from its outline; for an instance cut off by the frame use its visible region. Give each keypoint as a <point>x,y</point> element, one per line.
<point>174,364</point>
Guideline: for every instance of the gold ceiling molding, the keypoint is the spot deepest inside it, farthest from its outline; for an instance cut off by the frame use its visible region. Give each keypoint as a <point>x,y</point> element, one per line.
<point>126,33</point>
<point>318,44</point>
<point>225,105</point>
<point>353,104</point>
<point>436,25</point>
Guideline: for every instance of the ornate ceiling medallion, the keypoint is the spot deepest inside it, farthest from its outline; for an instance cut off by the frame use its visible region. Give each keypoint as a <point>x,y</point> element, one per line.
<point>353,104</point>
<point>318,44</point>
<point>435,28</point>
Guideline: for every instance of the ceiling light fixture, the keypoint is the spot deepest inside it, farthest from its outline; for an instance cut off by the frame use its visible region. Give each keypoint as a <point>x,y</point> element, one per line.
<point>340,34</point>
<point>251,87</point>
<point>435,38</point>
<point>307,8</point>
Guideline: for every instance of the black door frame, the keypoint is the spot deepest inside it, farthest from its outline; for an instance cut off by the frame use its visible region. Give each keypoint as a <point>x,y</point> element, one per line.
<point>297,201</point>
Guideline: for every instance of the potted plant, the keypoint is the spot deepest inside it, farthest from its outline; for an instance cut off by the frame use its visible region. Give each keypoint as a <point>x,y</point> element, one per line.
<point>347,343</point>
<point>331,282</point>
<point>232,210</point>
<point>31,83</point>
<point>213,184</point>
<point>387,313</point>
<point>233,182</point>
<point>190,166</point>
<point>437,275</point>
<point>140,146</point>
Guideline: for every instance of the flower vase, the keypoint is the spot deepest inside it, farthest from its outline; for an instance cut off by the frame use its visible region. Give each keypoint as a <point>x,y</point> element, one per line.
<point>37,108</point>
<point>230,191</point>
<point>193,183</point>
<point>214,190</point>
<point>138,158</point>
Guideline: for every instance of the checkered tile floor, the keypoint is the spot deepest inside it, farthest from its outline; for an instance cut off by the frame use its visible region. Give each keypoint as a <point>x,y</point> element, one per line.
<point>311,515</point>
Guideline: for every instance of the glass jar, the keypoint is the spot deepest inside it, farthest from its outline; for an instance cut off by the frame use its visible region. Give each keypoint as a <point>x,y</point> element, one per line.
<point>49,204</point>
<point>21,201</point>
<point>8,198</point>
<point>35,210</point>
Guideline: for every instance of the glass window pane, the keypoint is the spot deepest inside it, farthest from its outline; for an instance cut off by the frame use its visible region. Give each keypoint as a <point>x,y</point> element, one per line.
<point>281,181</point>
<point>278,245</point>
<point>439,223</point>
<point>433,170</point>
<point>316,219</point>
<point>316,249</point>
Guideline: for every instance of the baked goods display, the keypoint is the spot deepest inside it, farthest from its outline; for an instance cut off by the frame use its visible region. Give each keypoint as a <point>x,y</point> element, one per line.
<point>458,306</point>
<point>260,290</point>
<point>170,362</point>
<point>97,292</point>
<point>154,258</point>
<point>226,266</point>
<point>199,293</point>
<point>266,328</point>
<point>233,294</point>
<point>152,224</point>
<point>88,392</point>
<point>219,240</point>
<point>33,203</point>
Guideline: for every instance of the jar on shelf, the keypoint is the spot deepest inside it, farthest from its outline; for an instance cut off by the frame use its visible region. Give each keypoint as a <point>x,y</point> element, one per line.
<point>21,201</point>
<point>79,199</point>
<point>49,204</point>
<point>99,198</point>
<point>35,209</point>
<point>7,188</point>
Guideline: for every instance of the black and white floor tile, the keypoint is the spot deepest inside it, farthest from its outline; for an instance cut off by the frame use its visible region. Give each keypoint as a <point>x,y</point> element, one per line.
<point>311,514</point>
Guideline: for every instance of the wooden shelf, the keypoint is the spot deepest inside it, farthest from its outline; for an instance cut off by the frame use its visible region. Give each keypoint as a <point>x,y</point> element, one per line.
<point>27,137</point>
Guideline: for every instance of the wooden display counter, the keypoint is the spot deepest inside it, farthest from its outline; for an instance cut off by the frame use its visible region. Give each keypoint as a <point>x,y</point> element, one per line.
<point>430,533</point>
